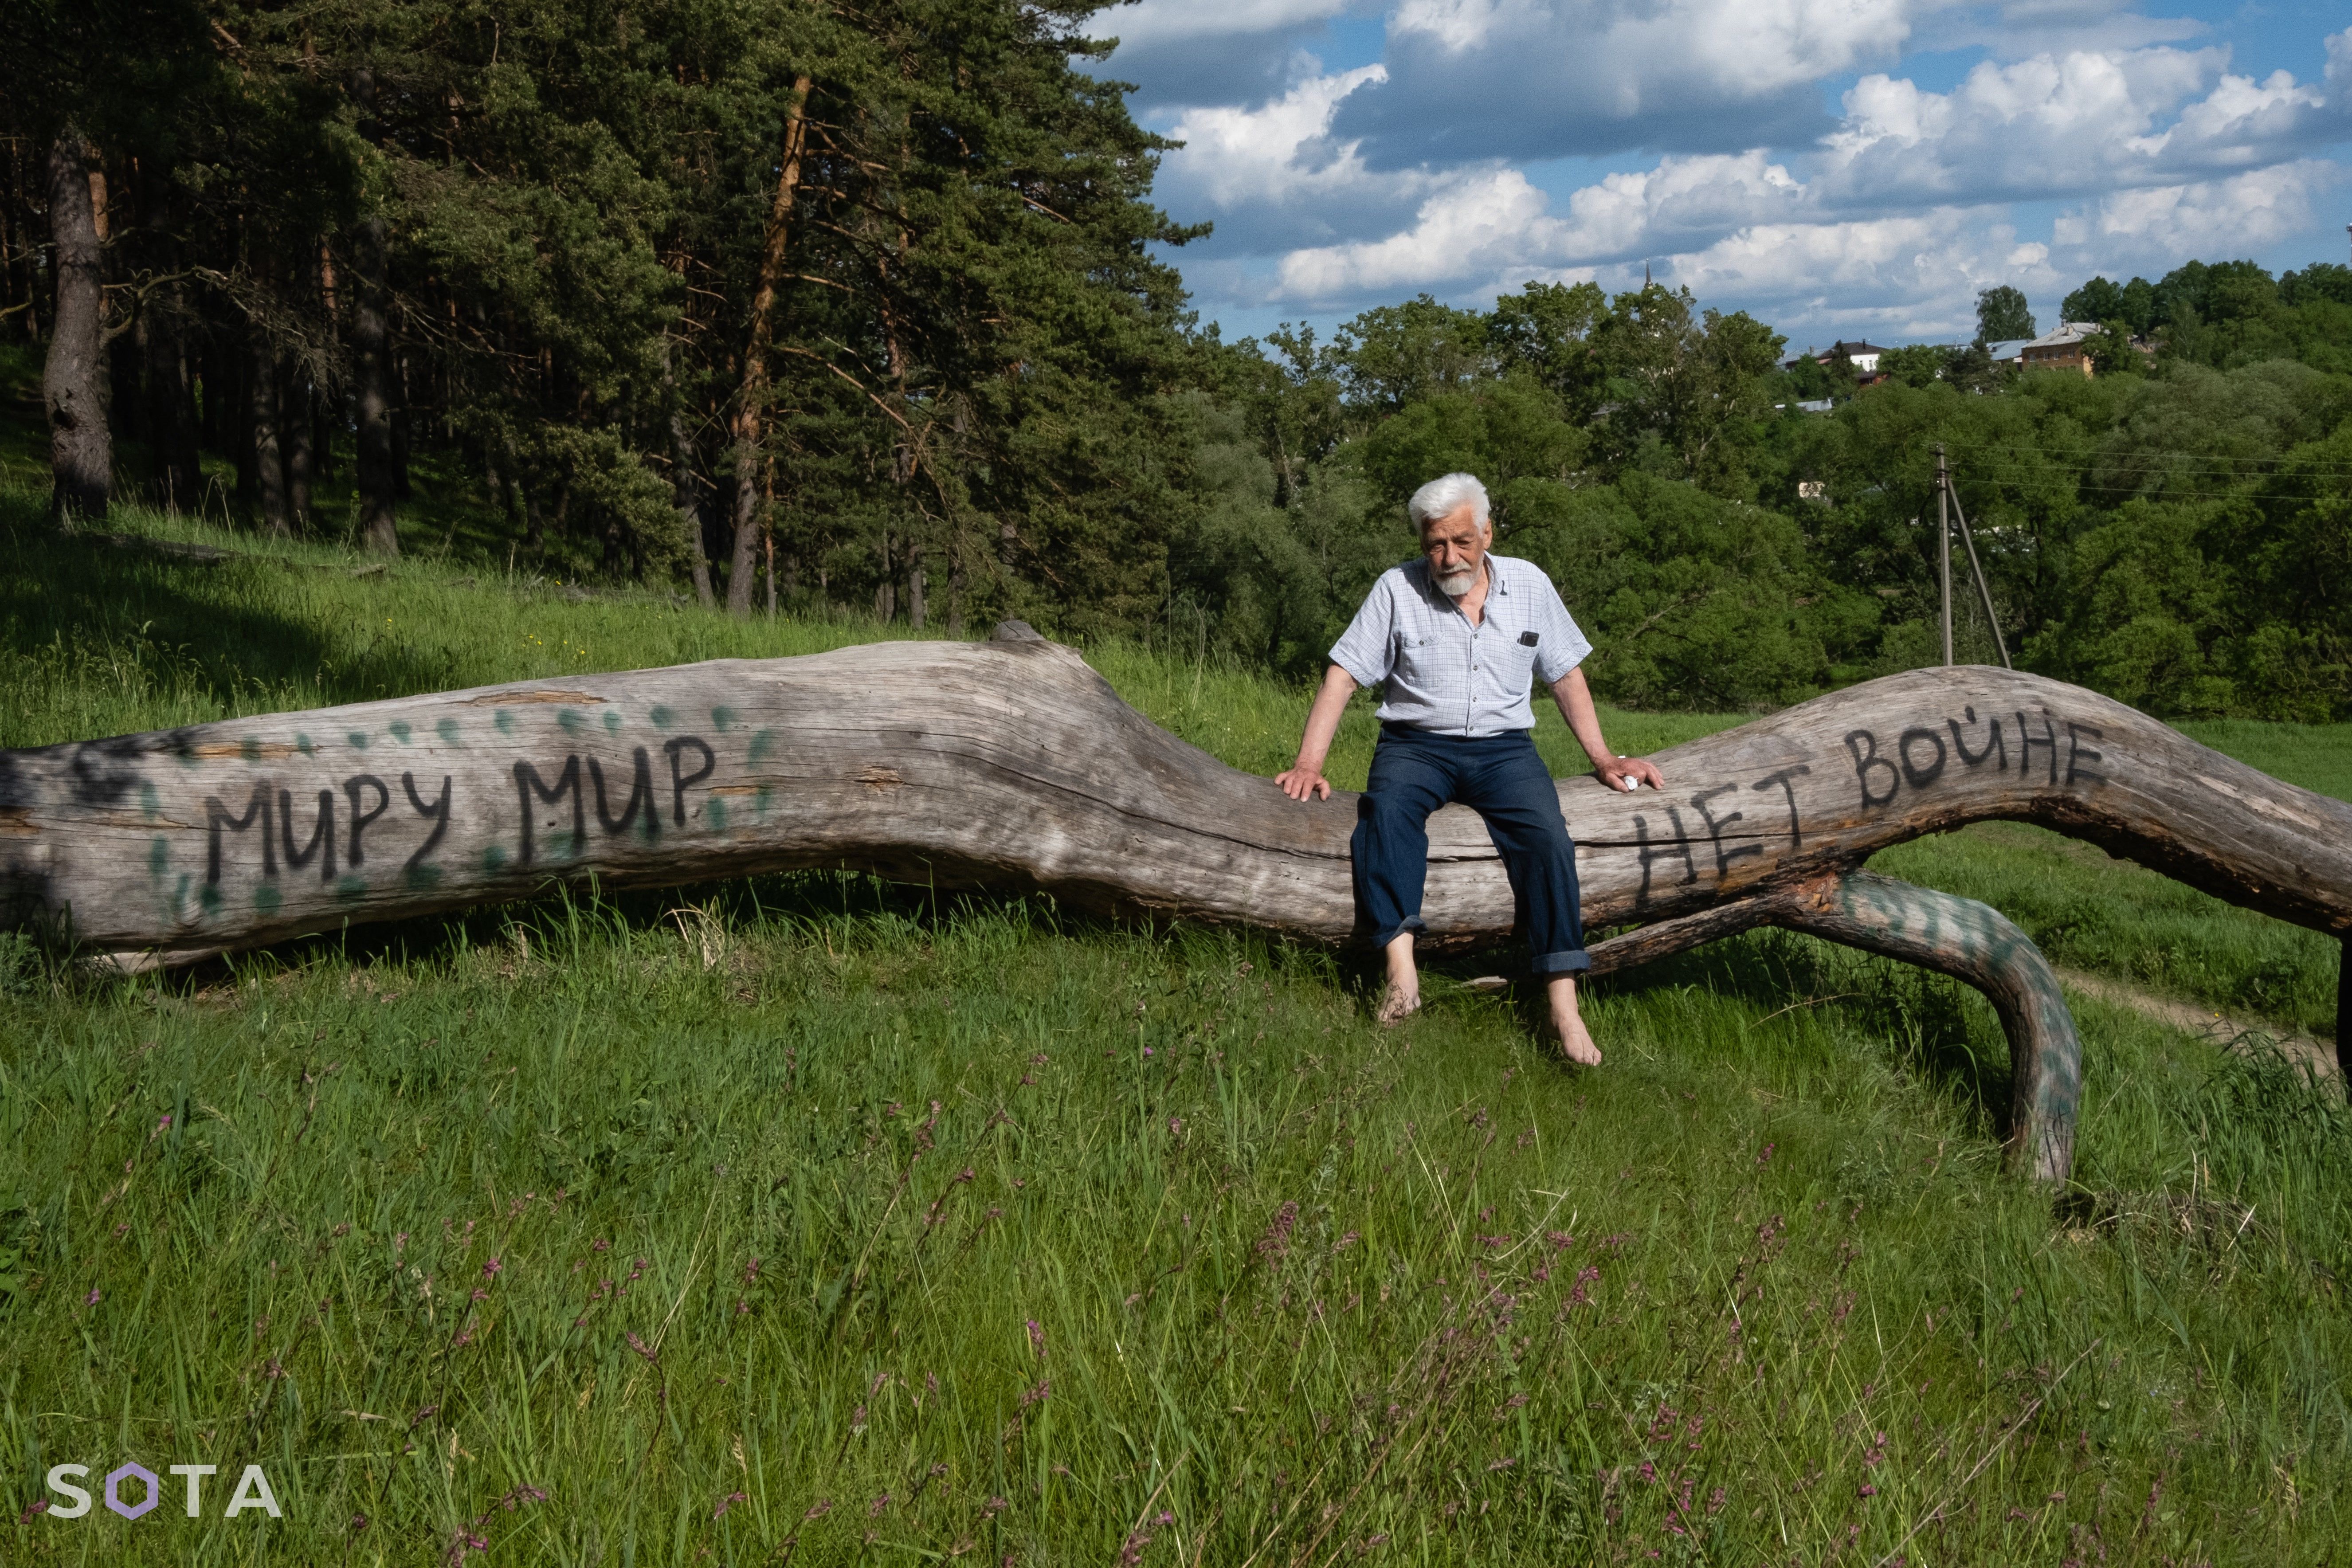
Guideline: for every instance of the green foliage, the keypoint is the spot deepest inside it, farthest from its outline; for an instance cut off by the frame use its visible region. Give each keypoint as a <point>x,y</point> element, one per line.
<point>1692,602</point>
<point>1915,365</point>
<point>2003,313</point>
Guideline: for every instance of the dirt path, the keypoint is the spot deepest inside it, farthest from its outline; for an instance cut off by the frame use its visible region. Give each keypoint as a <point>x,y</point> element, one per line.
<point>2203,1022</point>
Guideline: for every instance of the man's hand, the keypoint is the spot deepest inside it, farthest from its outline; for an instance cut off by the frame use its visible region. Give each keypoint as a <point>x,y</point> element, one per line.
<point>1626,773</point>
<point>1304,780</point>
<point>1303,784</point>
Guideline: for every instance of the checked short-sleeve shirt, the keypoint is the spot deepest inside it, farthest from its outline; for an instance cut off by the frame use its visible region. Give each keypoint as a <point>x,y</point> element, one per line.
<point>1444,675</point>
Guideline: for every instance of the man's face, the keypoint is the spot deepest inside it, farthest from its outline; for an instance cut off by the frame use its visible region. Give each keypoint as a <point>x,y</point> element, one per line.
<point>1455,545</point>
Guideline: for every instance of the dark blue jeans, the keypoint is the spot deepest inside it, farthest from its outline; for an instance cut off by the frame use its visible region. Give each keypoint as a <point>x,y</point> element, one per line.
<point>1501,778</point>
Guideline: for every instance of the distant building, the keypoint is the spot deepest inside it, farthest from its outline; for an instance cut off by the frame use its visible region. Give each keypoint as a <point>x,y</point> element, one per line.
<point>2008,350</point>
<point>2068,348</point>
<point>1864,357</point>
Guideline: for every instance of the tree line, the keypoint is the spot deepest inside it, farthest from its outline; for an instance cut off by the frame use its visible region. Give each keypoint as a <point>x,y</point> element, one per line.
<point>2174,530</point>
<point>774,297</point>
<point>832,308</point>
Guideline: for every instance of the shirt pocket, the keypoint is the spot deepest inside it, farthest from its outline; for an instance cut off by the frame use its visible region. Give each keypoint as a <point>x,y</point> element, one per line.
<point>1414,659</point>
<point>1514,661</point>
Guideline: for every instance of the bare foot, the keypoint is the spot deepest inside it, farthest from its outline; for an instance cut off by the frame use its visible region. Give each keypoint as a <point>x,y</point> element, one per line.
<point>1575,1039</point>
<point>1397,1005</point>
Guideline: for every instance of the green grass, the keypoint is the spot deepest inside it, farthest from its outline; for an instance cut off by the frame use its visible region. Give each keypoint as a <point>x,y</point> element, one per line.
<point>967,1230</point>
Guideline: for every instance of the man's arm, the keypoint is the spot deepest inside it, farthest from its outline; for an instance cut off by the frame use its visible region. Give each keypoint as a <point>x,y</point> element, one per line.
<point>1304,776</point>
<point>1575,700</point>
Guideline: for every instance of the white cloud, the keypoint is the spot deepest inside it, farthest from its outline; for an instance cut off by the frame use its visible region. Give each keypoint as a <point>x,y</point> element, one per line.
<point>1233,155</point>
<point>1349,188</point>
<point>2063,125</point>
<point>2210,218</point>
<point>1481,222</point>
<point>1743,46</point>
<point>1170,21</point>
<point>1912,276</point>
<point>1274,176</point>
<point>1474,78</point>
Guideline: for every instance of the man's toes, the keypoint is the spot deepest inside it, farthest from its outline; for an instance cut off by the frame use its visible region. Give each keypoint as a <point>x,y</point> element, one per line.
<point>1576,1043</point>
<point>1397,1006</point>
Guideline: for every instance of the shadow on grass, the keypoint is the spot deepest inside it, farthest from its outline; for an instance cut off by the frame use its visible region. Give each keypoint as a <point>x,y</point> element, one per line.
<point>1922,1019</point>
<point>177,622</point>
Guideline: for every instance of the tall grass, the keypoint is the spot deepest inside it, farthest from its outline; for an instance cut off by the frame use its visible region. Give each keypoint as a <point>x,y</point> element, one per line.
<point>811,1220</point>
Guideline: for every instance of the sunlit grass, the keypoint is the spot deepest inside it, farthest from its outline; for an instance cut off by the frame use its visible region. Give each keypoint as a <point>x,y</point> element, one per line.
<point>810,1220</point>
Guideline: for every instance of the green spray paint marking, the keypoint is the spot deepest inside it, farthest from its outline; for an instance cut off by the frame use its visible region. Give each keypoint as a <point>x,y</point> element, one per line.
<point>266,897</point>
<point>303,744</point>
<point>250,748</point>
<point>760,799</point>
<point>715,812</point>
<point>494,858</point>
<point>159,856</point>
<point>358,740</point>
<point>150,802</point>
<point>722,716</point>
<point>447,730</point>
<point>662,716</point>
<point>422,877</point>
<point>612,721</point>
<point>399,728</point>
<point>210,899</point>
<point>506,722</point>
<point>350,889</point>
<point>570,719</point>
<point>762,743</point>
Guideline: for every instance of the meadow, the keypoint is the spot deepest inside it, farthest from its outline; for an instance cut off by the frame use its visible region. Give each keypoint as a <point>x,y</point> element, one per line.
<point>816,1220</point>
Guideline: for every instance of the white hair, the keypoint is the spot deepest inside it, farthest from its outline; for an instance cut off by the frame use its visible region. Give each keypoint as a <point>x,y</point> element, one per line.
<point>1443,495</point>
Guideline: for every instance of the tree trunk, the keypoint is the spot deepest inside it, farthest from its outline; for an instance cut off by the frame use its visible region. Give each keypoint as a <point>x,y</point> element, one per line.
<point>687,487</point>
<point>268,459</point>
<point>751,398</point>
<point>372,356</point>
<point>370,391</point>
<point>82,449</point>
<point>236,386</point>
<point>295,418</point>
<point>1013,766</point>
<point>404,429</point>
<point>171,406</point>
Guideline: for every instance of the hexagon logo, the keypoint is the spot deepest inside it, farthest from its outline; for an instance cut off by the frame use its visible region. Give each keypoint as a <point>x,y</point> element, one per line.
<point>114,1493</point>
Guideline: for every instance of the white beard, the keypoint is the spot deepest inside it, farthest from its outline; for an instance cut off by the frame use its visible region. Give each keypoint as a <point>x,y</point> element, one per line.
<point>1453,585</point>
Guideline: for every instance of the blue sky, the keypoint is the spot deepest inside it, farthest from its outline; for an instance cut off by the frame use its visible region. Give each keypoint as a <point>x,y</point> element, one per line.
<point>1839,168</point>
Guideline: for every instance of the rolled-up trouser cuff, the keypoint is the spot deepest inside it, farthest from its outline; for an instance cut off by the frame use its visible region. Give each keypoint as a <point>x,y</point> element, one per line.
<point>1574,962</point>
<point>1414,923</point>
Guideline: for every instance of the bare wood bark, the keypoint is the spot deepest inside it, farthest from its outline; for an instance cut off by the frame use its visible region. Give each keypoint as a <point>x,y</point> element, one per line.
<point>81,447</point>
<point>1011,765</point>
<point>1014,763</point>
<point>751,398</point>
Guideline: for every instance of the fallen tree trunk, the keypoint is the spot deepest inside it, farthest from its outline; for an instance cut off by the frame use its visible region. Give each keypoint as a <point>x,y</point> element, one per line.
<point>1960,937</point>
<point>1011,765</point>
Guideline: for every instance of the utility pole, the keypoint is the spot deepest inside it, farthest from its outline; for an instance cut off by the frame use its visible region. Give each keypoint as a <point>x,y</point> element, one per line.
<point>1948,511</point>
<point>1943,547</point>
<point>1976,568</point>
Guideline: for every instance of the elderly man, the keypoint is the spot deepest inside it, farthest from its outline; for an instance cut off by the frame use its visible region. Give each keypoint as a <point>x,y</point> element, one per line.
<point>1455,637</point>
